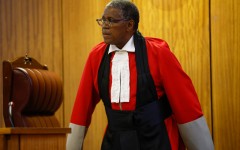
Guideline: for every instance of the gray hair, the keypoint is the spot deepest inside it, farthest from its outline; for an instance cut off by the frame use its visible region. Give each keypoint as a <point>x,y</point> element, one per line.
<point>129,10</point>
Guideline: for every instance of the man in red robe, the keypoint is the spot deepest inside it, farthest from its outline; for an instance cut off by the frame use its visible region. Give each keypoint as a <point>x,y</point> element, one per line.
<point>150,102</point>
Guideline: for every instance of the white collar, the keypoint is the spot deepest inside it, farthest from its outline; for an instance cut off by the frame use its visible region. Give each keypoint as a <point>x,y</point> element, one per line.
<point>129,46</point>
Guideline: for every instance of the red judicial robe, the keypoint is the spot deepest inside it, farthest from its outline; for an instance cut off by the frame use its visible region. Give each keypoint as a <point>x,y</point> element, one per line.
<point>169,78</point>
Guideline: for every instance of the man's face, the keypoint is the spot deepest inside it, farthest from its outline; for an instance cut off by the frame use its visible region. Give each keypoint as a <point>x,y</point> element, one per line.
<point>117,33</point>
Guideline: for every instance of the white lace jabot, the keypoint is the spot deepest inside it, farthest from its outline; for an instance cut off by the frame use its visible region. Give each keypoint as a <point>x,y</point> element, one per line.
<point>120,89</point>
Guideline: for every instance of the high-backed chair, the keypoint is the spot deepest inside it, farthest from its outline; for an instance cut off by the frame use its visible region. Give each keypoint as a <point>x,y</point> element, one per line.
<point>31,94</point>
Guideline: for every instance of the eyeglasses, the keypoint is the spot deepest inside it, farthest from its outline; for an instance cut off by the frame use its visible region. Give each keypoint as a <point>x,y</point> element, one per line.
<point>108,22</point>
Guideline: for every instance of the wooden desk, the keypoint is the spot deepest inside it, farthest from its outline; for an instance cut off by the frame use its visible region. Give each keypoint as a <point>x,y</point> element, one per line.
<point>33,138</point>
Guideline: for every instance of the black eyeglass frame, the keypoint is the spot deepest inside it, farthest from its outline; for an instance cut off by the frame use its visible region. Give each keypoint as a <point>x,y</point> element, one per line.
<point>108,22</point>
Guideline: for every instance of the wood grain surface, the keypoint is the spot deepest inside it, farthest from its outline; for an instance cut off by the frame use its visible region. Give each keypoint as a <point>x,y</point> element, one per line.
<point>184,26</point>
<point>33,27</point>
<point>81,34</point>
<point>225,31</point>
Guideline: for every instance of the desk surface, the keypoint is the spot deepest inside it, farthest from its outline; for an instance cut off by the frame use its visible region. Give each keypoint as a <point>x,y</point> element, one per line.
<point>34,130</point>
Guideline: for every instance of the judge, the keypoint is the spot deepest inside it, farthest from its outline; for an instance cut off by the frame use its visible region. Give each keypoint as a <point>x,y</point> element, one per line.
<point>150,101</point>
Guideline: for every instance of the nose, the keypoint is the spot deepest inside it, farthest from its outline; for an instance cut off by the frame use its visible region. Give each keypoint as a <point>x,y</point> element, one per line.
<point>105,26</point>
<point>106,23</point>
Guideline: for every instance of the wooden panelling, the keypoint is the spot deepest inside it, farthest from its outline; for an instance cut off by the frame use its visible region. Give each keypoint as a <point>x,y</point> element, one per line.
<point>185,26</point>
<point>33,138</point>
<point>81,33</point>
<point>35,27</point>
<point>9,142</point>
<point>50,142</point>
<point>225,31</point>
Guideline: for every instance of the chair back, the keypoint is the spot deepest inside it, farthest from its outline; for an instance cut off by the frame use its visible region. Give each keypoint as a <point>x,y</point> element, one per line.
<point>31,94</point>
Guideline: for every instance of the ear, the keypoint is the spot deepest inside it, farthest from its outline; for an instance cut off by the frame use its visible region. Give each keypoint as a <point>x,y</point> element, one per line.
<point>130,25</point>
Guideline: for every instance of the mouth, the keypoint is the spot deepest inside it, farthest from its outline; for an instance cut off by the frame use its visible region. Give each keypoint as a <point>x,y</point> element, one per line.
<point>105,32</point>
<point>106,35</point>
